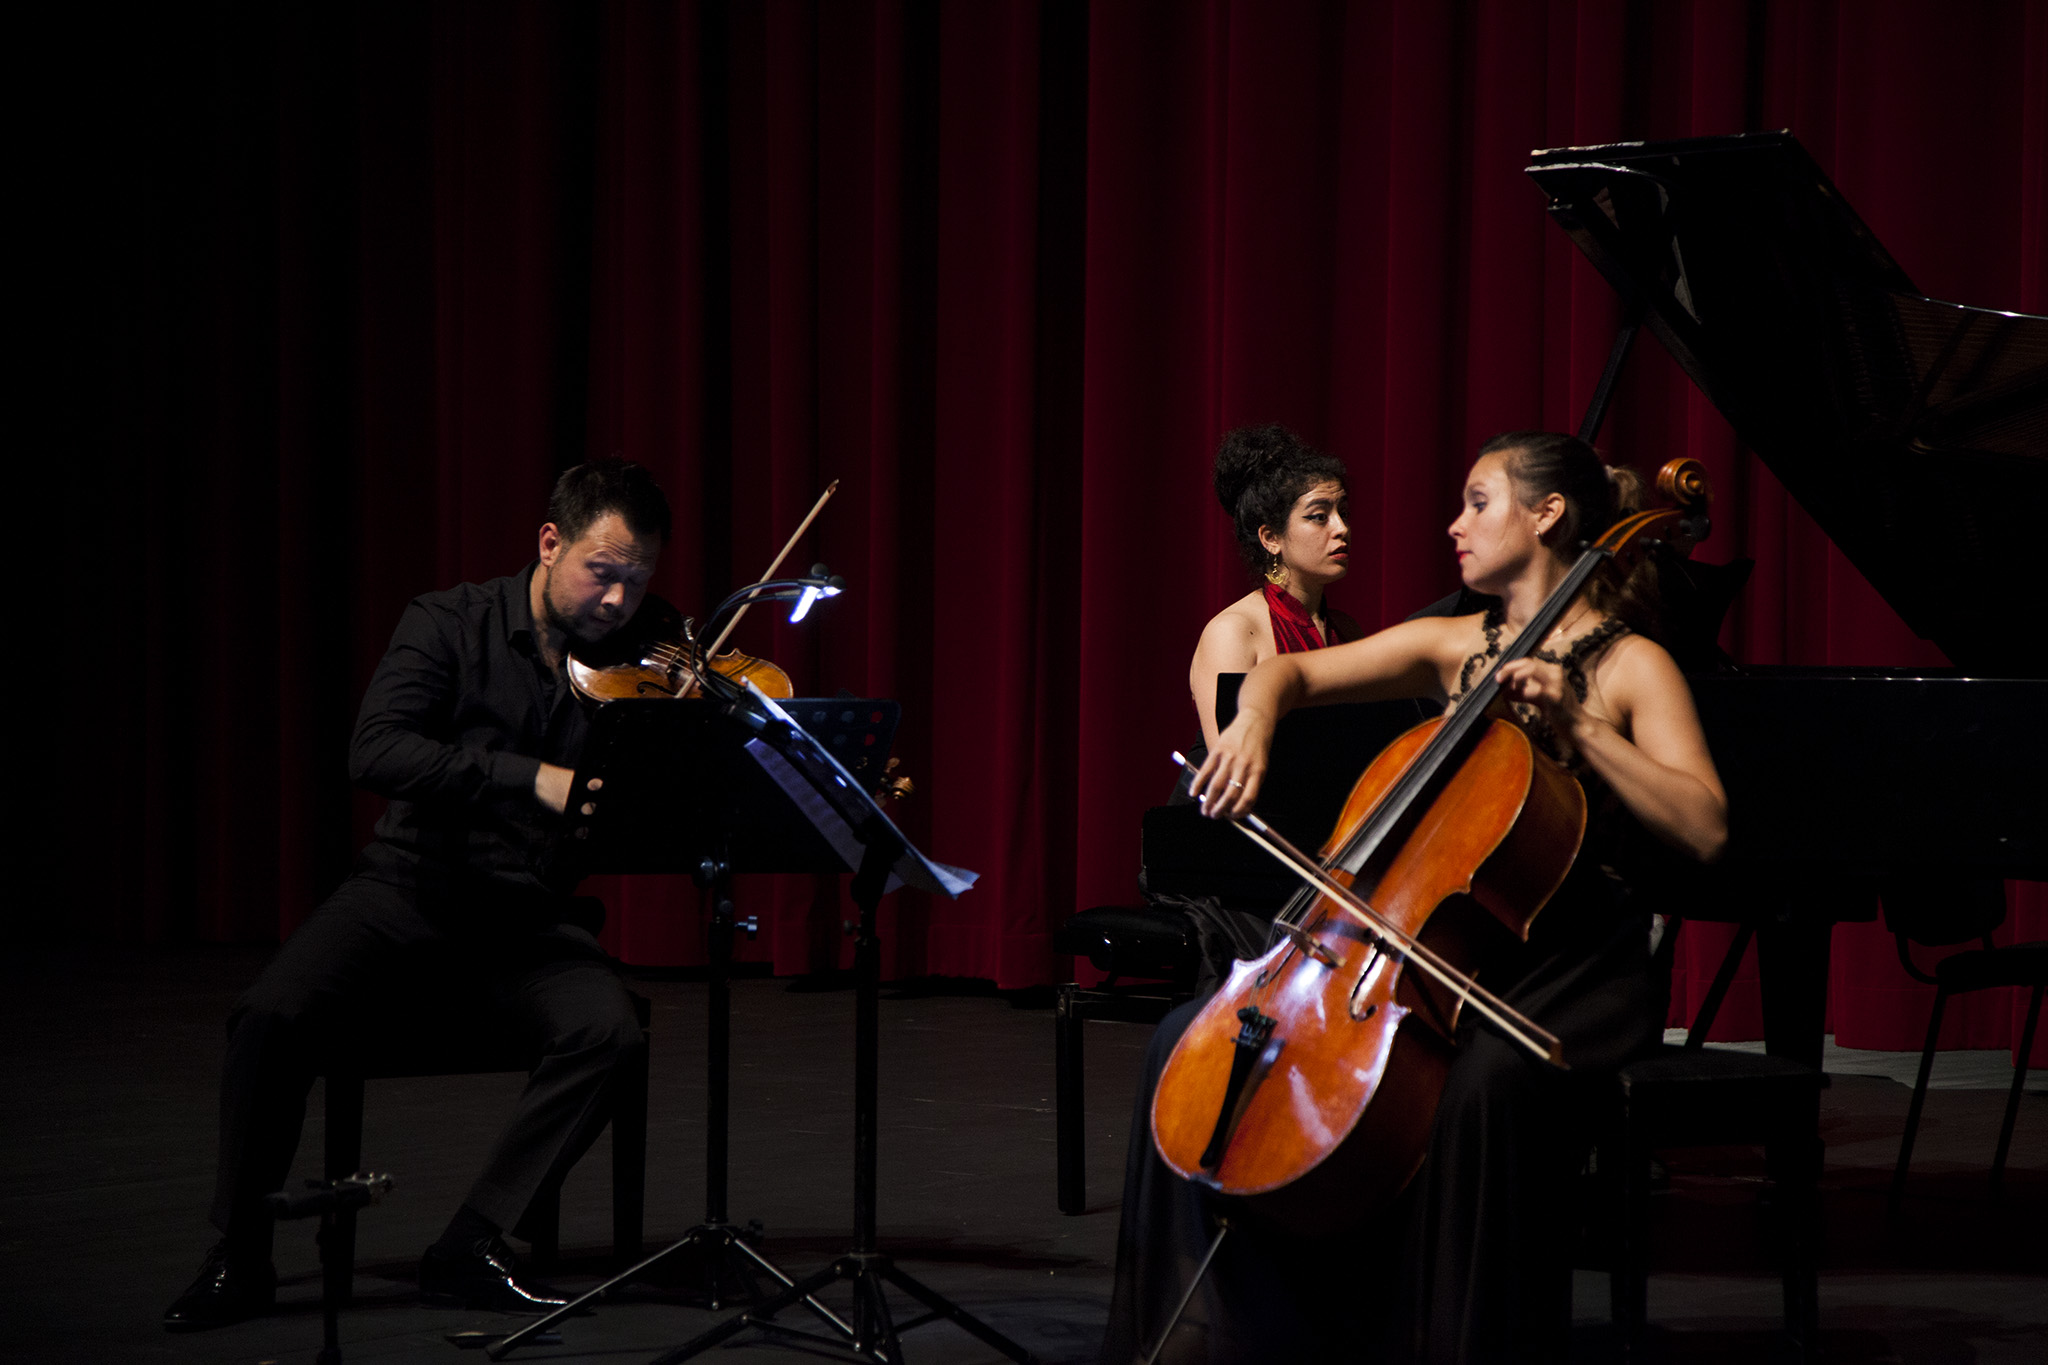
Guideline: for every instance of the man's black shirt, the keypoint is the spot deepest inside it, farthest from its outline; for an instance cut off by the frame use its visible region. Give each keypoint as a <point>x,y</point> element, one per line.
<point>458,718</point>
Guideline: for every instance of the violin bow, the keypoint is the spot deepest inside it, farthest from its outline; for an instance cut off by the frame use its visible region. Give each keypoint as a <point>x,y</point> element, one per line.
<point>1511,1021</point>
<point>802,527</point>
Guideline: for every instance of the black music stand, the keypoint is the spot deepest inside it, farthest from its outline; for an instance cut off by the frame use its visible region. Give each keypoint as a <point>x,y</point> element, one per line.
<point>870,845</point>
<point>680,793</point>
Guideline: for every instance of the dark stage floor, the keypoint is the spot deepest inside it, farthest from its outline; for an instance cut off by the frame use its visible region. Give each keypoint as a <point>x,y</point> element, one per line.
<point>108,1084</point>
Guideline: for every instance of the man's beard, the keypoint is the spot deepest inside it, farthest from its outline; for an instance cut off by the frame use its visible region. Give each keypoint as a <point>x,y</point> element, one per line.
<point>576,631</point>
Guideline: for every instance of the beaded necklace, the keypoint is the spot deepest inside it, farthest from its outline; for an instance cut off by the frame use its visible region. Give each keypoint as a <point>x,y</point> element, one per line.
<point>1573,661</point>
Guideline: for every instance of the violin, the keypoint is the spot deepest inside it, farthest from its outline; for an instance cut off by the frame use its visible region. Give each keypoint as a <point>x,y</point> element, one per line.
<point>661,666</point>
<point>657,659</point>
<point>1309,1083</point>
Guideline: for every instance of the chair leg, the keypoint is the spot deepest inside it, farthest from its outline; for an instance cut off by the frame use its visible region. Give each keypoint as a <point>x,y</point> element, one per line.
<point>1069,1104</point>
<point>2012,1099</point>
<point>1628,1280</point>
<point>629,1164</point>
<point>1919,1099</point>
<point>343,1157</point>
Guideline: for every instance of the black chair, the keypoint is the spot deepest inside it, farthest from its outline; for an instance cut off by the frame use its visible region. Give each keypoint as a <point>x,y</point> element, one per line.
<point>1693,1096</point>
<point>475,1048</point>
<point>1939,912</point>
<point>1159,947</point>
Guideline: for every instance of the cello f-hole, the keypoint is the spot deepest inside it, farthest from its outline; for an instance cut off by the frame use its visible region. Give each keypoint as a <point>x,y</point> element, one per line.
<point>1373,958</point>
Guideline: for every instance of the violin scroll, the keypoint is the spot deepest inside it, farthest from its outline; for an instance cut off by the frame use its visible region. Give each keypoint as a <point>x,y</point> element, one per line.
<point>894,788</point>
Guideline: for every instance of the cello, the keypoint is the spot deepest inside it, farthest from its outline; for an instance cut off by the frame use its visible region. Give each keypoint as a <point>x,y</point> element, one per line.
<point>1308,1085</point>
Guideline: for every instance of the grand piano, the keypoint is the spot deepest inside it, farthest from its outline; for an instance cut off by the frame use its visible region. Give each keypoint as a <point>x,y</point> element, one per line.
<point>1915,432</point>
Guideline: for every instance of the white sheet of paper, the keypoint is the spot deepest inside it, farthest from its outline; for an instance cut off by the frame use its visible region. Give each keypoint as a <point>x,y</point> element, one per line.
<point>912,869</point>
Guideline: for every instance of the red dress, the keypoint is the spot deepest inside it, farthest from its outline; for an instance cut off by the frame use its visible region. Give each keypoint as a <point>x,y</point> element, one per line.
<point>1293,628</point>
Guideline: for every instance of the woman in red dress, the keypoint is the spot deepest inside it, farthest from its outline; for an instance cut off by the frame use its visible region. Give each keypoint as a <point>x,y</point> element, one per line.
<point>1289,505</point>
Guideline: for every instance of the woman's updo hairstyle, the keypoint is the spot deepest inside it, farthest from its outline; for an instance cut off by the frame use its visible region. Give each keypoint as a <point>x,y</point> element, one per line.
<point>1261,472</point>
<point>1596,495</point>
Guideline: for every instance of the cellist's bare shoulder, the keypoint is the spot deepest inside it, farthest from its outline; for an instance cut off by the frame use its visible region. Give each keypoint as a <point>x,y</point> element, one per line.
<point>1637,687</point>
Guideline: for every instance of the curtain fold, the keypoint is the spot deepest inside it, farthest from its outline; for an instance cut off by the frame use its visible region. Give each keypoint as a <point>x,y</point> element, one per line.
<point>358,280</point>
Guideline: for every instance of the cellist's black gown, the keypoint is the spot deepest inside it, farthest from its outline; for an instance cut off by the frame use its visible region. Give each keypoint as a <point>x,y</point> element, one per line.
<point>1473,1265</point>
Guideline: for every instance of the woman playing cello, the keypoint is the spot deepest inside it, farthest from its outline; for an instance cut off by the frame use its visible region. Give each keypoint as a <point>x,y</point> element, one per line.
<point>1472,1265</point>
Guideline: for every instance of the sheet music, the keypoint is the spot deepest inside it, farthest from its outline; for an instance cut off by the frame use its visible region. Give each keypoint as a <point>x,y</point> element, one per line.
<point>808,791</point>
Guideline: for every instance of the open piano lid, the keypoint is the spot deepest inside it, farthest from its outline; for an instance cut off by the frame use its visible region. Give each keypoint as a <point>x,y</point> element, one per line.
<point>1914,431</point>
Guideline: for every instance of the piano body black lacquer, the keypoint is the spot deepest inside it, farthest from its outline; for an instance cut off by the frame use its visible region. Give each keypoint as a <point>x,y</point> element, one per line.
<point>1915,432</point>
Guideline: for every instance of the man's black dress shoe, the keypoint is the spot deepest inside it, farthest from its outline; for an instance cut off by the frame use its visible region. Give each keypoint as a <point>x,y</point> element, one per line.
<point>481,1276</point>
<point>229,1289</point>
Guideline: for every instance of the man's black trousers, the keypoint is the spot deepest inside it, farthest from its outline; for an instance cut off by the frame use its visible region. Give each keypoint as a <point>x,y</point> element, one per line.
<point>380,953</point>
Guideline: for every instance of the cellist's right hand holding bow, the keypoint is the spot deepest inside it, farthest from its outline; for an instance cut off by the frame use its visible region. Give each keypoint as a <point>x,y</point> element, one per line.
<point>1228,784</point>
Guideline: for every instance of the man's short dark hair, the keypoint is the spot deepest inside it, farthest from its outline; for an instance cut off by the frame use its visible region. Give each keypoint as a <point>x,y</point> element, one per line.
<point>586,492</point>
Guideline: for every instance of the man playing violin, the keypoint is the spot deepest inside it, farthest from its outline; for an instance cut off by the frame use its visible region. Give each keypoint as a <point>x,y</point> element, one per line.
<point>471,730</point>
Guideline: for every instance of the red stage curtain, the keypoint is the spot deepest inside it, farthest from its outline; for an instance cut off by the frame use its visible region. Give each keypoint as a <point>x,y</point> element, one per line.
<point>353,281</point>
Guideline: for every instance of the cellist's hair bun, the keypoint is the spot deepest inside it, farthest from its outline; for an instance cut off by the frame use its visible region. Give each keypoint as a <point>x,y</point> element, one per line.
<point>1259,474</point>
<point>1628,490</point>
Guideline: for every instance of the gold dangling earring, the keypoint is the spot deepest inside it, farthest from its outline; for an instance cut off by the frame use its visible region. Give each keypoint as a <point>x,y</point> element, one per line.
<point>1276,572</point>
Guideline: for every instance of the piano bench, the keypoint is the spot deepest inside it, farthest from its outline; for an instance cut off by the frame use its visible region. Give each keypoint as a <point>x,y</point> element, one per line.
<point>1154,942</point>
<point>382,1055</point>
<point>1712,1097</point>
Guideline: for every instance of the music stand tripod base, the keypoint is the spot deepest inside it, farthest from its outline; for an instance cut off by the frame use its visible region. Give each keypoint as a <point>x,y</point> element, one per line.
<point>653,821</point>
<point>727,1257</point>
<point>874,1334</point>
